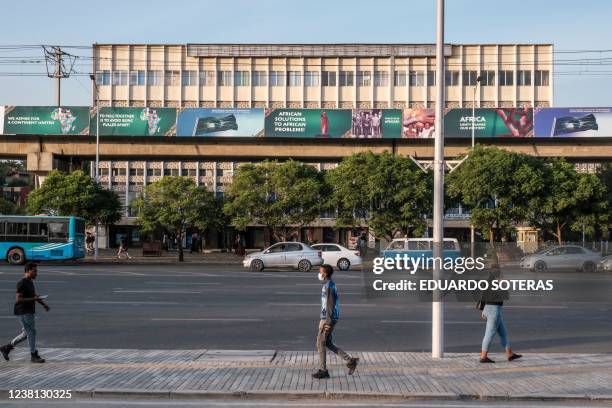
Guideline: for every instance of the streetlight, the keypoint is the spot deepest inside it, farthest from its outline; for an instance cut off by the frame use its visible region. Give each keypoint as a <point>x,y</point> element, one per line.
<point>472,232</point>
<point>97,166</point>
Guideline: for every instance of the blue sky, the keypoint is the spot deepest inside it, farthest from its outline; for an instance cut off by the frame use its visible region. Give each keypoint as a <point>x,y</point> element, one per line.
<point>569,25</point>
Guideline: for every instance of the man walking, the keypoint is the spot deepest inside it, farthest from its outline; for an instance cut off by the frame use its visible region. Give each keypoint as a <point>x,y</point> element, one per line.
<point>25,307</point>
<point>330,313</point>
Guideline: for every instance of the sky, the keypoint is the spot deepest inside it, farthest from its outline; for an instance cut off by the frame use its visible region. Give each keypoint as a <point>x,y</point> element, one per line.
<point>569,25</point>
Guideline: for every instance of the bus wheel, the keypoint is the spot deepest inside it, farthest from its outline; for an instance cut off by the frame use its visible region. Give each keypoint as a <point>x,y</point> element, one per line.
<point>16,256</point>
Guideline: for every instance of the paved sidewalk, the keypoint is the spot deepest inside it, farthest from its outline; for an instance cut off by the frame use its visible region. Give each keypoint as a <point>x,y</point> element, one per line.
<point>284,374</point>
<point>107,256</point>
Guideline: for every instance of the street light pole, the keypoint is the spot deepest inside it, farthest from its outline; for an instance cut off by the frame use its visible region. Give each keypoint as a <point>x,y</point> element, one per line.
<point>472,231</point>
<point>97,165</point>
<point>437,327</point>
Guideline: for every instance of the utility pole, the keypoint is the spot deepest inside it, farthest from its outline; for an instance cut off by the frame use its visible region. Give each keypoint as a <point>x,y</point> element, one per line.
<point>437,315</point>
<point>59,65</point>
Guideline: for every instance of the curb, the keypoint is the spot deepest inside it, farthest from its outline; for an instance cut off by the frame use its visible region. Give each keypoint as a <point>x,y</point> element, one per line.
<point>325,395</point>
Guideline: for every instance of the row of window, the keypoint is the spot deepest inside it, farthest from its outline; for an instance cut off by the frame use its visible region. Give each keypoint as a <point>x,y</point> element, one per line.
<point>155,172</point>
<point>53,231</point>
<point>316,78</point>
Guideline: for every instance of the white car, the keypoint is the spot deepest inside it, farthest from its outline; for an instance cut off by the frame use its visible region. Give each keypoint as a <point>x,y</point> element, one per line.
<point>605,264</point>
<point>284,254</point>
<point>334,254</point>
<point>562,257</point>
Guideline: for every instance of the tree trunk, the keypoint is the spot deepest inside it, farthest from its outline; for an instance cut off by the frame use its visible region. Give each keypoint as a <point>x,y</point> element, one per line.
<point>491,237</point>
<point>558,233</point>
<point>179,239</point>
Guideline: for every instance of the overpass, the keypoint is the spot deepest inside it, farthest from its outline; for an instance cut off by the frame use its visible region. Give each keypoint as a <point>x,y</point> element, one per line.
<point>44,152</point>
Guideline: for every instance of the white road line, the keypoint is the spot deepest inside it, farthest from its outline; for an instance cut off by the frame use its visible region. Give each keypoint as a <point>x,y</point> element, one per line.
<point>319,284</point>
<point>314,292</point>
<point>105,302</point>
<point>427,322</point>
<point>318,304</point>
<point>182,283</point>
<point>159,291</point>
<point>205,319</point>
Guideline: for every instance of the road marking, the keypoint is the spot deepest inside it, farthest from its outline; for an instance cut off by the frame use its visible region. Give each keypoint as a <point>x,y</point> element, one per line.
<point>205,319</point>
<point>427,322</point>
<point>318,304</point>
<point>105,302</point>
<point>319,284</point>
<point>311,293</point>
<point>182,283</point>
<point>159,291</point>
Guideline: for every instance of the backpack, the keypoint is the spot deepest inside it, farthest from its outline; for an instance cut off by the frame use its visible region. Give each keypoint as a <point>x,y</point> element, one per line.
<point>480,305</point>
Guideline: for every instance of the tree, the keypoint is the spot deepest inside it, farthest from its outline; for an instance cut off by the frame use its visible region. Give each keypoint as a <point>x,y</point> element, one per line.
<point>9,166</point>
<point>75,194</point>
<point>570,200</point>
<point>499,186</point>
<point>175,204</point>
<point>605,176</point>
<point>7,207</point>
<point>387,192</point>
<point>282,196</point>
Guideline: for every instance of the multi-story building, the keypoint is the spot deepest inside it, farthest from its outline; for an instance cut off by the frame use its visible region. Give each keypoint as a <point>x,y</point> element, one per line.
<point>327,76</point>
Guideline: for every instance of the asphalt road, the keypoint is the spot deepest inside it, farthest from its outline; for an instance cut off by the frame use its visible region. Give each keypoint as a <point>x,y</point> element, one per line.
<point>226,307</point>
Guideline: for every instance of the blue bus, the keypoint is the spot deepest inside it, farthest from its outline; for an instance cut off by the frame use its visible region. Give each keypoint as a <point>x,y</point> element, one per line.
<point>41,238</point>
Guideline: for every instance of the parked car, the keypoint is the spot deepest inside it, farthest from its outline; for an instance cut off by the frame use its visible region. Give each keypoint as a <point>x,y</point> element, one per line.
<point>284,254</point>
<point>334,254</point>
<point>605,264</point>
<point>562,257</point>
<point>422,248</point>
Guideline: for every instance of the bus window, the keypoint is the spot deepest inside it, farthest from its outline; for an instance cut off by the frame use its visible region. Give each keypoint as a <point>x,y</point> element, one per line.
<point>2,228</point>
<point>449,245</point>
<point>38,231</point>
<point>79,227</point>
<point>418,245</point>
<point>397,245</point>
<point>58,231</point>
<point>17,230</point>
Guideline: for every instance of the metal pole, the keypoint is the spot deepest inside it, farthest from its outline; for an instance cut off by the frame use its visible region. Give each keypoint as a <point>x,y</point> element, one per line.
<point>472,232</point>
<point>97,170</point>
<point>58,76</point>
<point>437,327</point>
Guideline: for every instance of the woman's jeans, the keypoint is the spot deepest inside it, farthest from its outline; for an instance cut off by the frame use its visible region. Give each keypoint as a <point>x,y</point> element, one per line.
<point>495,324</point>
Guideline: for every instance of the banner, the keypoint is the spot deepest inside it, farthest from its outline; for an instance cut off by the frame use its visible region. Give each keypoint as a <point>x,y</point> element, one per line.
<point>46,120</point>
<point>573,122</point>
<point>418,123</point>
<point>376,123</point>
<point>489,122</point>
<point>135,122</point>
<point>308,122</point>
<point>220,122</point>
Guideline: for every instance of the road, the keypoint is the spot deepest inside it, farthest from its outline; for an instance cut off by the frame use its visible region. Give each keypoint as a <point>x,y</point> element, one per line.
<point>226,307</point>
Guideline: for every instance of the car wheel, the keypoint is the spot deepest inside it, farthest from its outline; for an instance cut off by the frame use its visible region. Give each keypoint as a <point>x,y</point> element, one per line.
<point>304,265</point>
<point>343,264</point>
<point>588,267</point>
<point>540,266</point>
<point>257,265</point>
<point>16,256</point>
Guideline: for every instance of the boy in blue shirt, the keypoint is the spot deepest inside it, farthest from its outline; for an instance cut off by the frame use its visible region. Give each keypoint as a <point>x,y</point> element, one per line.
<point>330,313</point>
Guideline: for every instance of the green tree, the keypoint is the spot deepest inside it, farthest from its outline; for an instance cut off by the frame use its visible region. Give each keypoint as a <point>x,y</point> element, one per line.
<point>386,192</point>
<point>499,187</point>
<point>175,204</point>
<point>7,207</point>
<point>570,200</point>
<point>282,196</point>
<point>605,176</point>
<point>75,194</point>
<point>7,166</point>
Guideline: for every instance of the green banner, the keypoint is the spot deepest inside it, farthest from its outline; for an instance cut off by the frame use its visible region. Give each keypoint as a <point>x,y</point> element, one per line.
<point>46,120</point>
<point>136,122</point>
<point>308,123</point>
<point>489,122</point>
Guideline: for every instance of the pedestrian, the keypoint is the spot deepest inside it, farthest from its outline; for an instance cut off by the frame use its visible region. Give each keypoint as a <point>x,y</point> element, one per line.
<point>24,309</point>
<point>194,243</point>
<point>363,245</point>
<point>330,313</point>
<point>491,306</point>
<point>123,249</point>
<point>89,243</point>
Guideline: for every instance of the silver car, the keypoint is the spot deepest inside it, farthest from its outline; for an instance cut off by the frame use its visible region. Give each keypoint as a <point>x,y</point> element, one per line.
<point>562,257</point>
<point>605,264</point>
<point>284,254</point>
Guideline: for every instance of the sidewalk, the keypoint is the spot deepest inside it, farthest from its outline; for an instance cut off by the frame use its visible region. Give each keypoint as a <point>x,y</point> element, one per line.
<point>106,256</point>
<point>284,374</point>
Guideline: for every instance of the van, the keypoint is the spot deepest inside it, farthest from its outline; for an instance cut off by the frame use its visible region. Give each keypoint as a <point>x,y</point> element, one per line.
<point>421,248</point>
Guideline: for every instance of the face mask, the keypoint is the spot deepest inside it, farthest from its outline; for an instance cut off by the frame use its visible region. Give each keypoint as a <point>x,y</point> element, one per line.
<point>321,277</point>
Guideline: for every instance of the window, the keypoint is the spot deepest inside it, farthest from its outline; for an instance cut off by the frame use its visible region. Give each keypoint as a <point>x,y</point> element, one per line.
<point>136,183</point>
<point>154,77</point>
<point>575,251</point>
<point>541,78</point>
<point>189,172</point>
<point>276,248</point>
<point>399,78</point>
<point>381,78</point>
<point>103,171</point>
<point>328,78</point>
<point>171,172</point>
<point>2,228</point>
<point>397,245</point>
<point>488,78</point>
<point>260,78</point>
<point>224,78</point>
<point>103,77</point>
<point>58,231</point>
<point>364,78</point>
<point>137,78</point>
<point>294,78</point>
<point>470,78</point>
<point>523,78</point>
<point>153,172</point>
<point>17,229</point>
<point>120,77</point>
<point>136,172</point>
<point>331,248</point>
<point>431,78</point>
<point>293,247</point>
<point>118,172</point>
<point>277,78</point>
<point>451,78</point>
<point>506,78</point>
<point>189,78</point>
<point>346,78</point>
<point>311,78</point>
<point>416,78</point>
<point>207,78</point>
<point>242,78</point>
<point>172,77</point>
<point>418,245</point>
